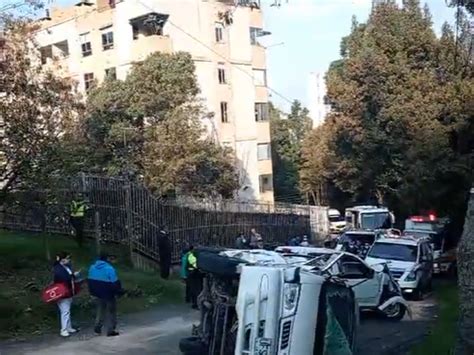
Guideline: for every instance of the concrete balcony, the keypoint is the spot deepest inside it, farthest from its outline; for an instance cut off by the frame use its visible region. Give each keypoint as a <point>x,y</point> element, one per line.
<point>259,59</point>
<point>143,46</point>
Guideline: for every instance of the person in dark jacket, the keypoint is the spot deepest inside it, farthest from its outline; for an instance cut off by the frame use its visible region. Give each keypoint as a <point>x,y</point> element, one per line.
<point>105,286</point>
<point>64,274</point>
<point>164,251</point>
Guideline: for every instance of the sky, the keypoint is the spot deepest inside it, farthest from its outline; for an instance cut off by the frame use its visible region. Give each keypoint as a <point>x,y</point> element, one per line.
<point>311,31</point>
<point>305,38</point>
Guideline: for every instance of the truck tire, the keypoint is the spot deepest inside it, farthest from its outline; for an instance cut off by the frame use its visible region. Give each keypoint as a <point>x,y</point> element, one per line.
<point>213,263</point>
<point>192,346</point>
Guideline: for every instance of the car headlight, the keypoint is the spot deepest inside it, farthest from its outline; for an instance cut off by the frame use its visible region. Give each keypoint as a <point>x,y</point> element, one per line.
<point>290,298</point>
<point>411,276</point>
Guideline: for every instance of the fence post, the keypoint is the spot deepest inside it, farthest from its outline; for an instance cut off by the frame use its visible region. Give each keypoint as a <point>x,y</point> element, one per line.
<point>97,231</point>
<point>128,227</point>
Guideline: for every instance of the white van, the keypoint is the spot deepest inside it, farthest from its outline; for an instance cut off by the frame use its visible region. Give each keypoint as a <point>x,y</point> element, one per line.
<point>410,262</point>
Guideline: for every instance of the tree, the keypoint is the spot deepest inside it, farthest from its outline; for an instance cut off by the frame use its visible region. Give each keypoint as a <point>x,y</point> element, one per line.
<point>287,136</point>
<point>36,109</point>
<point>465,282</point>
<point>150,126</point>
<point>396,107</point>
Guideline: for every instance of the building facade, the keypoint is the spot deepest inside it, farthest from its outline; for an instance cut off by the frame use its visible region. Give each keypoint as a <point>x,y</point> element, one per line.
<point>318,109</point>
<point>100,38</point>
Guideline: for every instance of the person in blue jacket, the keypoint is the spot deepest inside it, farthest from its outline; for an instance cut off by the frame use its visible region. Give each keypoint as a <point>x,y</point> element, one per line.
<point>105,286</point>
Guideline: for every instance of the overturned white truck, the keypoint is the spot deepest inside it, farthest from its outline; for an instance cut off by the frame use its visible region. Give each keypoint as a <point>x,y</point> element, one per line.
<point>255,302</point>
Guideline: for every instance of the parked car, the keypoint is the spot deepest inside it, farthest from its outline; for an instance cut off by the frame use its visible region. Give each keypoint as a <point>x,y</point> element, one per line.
<point>374,287</point>
<point>252,306</point>
<point>410,261</point>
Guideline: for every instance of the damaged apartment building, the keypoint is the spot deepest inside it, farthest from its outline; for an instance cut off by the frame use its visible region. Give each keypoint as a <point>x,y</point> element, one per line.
<point>97,38</point>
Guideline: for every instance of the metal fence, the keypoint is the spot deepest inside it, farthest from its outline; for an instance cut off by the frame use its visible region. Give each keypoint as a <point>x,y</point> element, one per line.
<point>129,214</point>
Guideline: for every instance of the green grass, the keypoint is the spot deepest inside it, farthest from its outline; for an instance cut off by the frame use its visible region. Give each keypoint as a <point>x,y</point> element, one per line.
<point>442,338</point>
<point>25,271</point>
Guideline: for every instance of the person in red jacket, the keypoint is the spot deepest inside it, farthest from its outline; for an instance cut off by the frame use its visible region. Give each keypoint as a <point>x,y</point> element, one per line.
<point>63,273</point>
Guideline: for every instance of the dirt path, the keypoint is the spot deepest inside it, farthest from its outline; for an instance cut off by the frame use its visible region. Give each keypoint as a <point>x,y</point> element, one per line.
<point>158,332</point>
<point>155,332</point>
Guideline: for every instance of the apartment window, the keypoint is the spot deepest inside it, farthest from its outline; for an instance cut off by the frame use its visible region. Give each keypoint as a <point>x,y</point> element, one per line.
<point>261,111</point>
<point>224,113</point>
<point>88,81</point>
<point>263,151</point>
<point>260,77</point>
<point>266,182</point>
<point>150,24</point>
<point>107,40</point>
<point>86,47</point>
<point>219,31</point>
<point>221,75</point>
<point>111,73</point>
<point>254,32</point>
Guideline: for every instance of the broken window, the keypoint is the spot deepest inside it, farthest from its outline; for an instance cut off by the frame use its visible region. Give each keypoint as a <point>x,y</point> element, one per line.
<point>221,75</point>
<point>224,113</point>
<point>266,182</point>
<point>219,31</point>
<point>88,81</point>
<point>111,73</point>
<point>86,47</point>
<point>260,77</point>
<point>151,24</point>
<point>107,39</point>
<point>263,151</point>
<point>261,111</point>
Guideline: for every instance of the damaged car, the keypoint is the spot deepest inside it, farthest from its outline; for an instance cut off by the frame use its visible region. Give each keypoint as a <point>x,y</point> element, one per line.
<point>257,302</point>
<point>374,286</point>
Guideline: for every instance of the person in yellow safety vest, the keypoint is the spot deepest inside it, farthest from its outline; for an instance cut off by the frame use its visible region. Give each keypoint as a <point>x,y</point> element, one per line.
<point>194,278</point>
<point>78,210</point>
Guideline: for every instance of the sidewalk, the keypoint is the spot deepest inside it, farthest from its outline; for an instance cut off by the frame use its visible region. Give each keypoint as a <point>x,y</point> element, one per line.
<point>157,331</point>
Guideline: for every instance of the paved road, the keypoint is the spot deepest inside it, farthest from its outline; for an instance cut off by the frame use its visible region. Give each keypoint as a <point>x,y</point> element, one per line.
<point>155,332</point>
<point>158,332</point>
<point>379,336</point>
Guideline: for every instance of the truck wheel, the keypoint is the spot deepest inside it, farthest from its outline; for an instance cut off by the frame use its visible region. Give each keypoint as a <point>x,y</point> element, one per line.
<point>395,312</point>
<point>214,263</point>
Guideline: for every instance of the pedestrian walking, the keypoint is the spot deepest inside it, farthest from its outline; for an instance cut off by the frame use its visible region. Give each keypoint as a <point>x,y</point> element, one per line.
<point>105,286</point>
<point>256,240</point>
<point>184,273</point>
<point>77,215</point>
<point>194,277</point>
<point>64,274</point>
<point>164,252</point>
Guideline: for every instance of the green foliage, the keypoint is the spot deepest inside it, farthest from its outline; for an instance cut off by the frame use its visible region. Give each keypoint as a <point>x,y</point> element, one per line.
<point>36,108</point>
<point>149,126</point>
<point>400,131</point>
<point>25,272</point>
<point>287,137</point>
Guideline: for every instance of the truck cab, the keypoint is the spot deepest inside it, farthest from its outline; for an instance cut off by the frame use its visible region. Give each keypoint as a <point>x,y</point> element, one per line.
<point>369,218</point>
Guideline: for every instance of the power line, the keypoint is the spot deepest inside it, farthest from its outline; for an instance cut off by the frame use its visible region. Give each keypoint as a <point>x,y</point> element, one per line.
<point>183,31</point>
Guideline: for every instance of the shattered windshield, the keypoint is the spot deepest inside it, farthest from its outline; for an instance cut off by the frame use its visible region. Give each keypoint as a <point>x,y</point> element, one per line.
<point>321,261</point>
